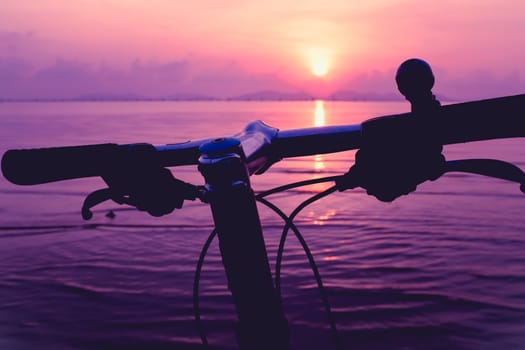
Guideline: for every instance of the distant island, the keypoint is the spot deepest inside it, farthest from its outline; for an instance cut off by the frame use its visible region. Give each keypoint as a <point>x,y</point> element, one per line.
<point>270,95</point>
<point>265,95</point>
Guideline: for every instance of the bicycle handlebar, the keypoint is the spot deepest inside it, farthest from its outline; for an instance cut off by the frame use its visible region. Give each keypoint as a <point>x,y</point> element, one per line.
<point>264,145</point>
<point>18,166</point>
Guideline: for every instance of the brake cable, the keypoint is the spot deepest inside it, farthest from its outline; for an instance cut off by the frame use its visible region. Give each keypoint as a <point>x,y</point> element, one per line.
<point>313,265</point>
<point>196,281</point>
<point>288,224</point>
<point>298,184</point>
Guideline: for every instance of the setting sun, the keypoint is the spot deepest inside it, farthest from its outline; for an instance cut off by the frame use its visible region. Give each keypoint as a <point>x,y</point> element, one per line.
<point>319,68</point>
<point>319,61</point>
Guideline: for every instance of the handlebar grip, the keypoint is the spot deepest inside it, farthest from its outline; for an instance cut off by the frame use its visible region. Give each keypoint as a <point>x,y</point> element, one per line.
<point>37,166</point>
<point>483,120</point>
<point>457,123</point>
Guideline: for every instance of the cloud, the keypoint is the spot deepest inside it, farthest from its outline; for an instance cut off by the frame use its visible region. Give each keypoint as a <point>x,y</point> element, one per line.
<point>30,47</point>
<point>63,79</point>
<point>374,81</point>
<point>12,69</point>
<point>479,84</point>
<point>70,79</point>
<point>469,85</point>
<point>67,79</point>
<point>229,79</point>
<point>14,42</point>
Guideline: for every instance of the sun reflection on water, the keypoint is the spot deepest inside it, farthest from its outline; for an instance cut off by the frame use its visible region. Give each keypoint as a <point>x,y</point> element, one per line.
<point>319,114</point>
<point>330,258</point>
<point>319,120</point>
<point>318,163</point>
<point>320,219</point>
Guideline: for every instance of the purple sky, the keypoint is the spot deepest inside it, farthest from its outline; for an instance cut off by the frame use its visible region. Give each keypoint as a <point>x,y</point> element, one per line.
<point>67,49</point>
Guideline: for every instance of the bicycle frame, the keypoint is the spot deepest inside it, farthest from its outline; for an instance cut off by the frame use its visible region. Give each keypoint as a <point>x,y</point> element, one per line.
<point>262,324</point>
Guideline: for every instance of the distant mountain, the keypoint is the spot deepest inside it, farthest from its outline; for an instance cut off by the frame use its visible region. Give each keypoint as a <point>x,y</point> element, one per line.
<point>341,95</point>
<point>350,95</point>
<point>270,95</point>
<point>264,95</point>
<point>135,97</point>
<point>110,97</point>
<point>189,97</point>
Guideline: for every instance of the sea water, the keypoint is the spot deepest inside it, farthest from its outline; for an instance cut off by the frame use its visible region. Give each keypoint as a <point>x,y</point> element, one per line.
<point>442,268</point>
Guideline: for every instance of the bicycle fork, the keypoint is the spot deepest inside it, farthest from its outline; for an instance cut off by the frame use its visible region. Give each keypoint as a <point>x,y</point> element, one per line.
<point>262,324</point>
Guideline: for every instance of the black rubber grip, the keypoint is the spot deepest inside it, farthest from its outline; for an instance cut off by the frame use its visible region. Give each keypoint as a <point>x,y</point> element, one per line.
<point>495,118</point>
<point>37,166</point>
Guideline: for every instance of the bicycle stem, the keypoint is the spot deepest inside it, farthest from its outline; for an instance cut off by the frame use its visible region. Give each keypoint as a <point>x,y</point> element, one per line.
<point>261,321</point>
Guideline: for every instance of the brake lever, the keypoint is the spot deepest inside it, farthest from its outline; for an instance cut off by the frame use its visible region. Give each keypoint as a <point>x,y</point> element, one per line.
<point>99,196</point>
<point>488,167</point>
<point>187,192</point>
